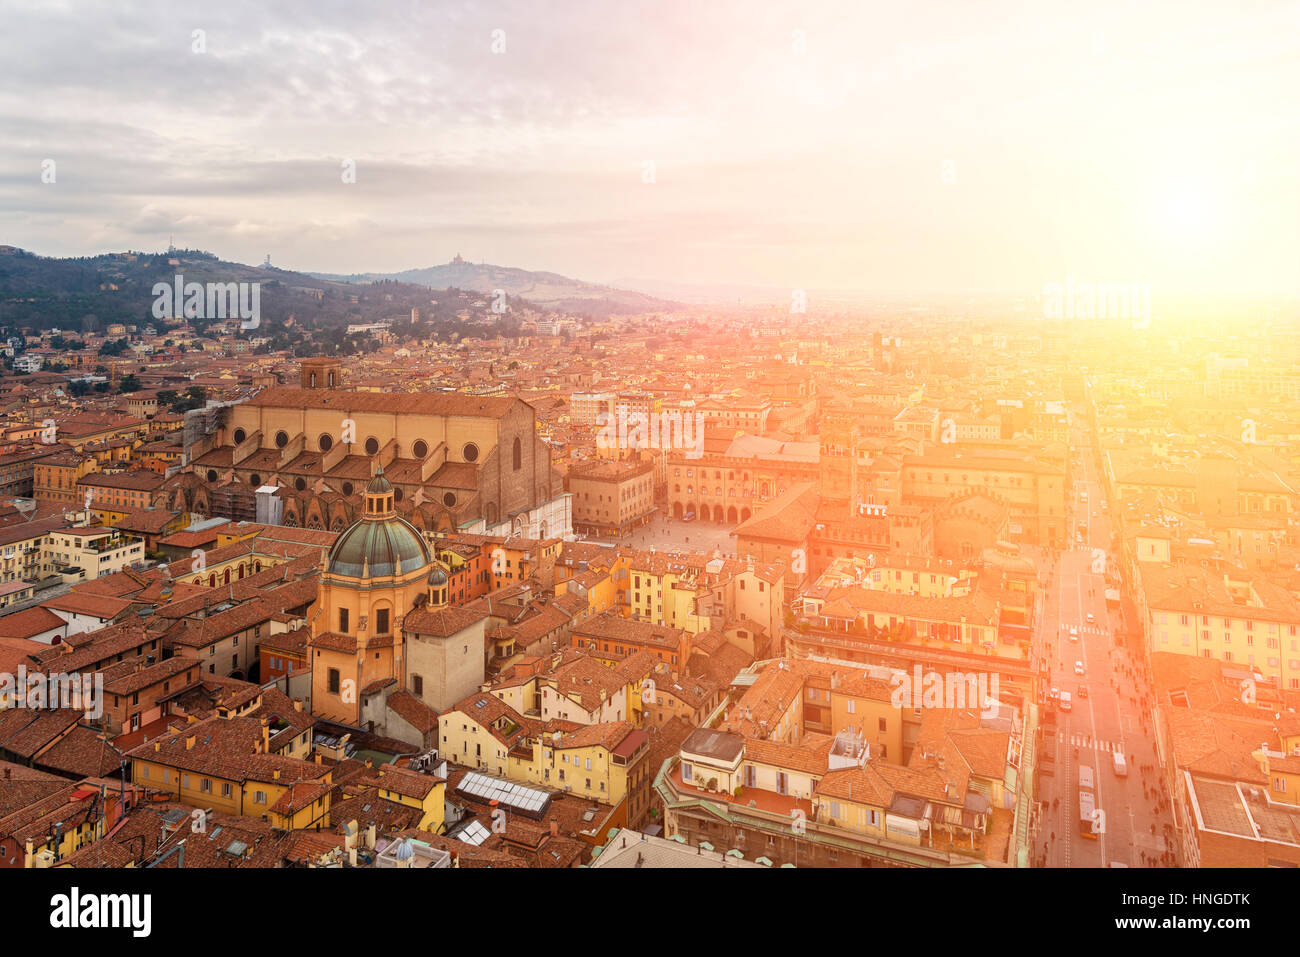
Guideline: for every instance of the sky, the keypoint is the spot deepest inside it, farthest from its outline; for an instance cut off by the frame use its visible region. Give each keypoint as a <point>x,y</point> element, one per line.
<point>901,148</point>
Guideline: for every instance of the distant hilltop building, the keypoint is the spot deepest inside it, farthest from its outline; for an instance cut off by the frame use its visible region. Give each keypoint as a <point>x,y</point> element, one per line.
<point>458,261</point>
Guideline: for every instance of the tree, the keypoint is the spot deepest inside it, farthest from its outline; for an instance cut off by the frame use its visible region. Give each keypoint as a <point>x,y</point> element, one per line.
<point>129,383</point>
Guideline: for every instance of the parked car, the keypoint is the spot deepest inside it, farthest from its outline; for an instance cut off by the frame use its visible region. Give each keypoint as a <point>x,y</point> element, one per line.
<point>1078,667</point>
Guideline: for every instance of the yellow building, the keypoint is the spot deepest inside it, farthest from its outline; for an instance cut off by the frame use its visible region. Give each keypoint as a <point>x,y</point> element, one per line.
<point>372,577</point>
<point>601,762</point>
<point>423,792</point>
<point>230,764</point>
<point>1190,611</point>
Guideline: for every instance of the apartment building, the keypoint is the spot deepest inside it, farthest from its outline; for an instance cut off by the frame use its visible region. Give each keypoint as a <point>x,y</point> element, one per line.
<point>88,553</point>
<point>1229,749</point>
<point>235,764</point>
<point>133,490</point>
<point>766,782</point>
<point>611,497</point>
<point>604,762</point>
<point>586,408</point>
<point>1031,482</point>
<point>1188,610</point>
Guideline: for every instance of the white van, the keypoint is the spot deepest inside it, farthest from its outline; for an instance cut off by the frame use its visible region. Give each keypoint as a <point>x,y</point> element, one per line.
<point>1065,701</point>
<point>1121,766</point>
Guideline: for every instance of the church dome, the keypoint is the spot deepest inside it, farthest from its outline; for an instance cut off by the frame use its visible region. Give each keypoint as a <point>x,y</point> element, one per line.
<point>380,543</point>
<point>437,576</point>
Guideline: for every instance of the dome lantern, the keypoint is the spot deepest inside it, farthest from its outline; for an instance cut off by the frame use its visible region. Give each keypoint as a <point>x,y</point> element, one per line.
<point>379,544</point>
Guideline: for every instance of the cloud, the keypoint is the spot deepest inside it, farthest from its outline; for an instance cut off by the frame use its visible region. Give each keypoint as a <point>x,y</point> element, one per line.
<point>807,136</point>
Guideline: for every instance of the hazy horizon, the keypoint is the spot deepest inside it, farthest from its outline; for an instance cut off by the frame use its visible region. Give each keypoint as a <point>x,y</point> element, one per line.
<point>899,152</point>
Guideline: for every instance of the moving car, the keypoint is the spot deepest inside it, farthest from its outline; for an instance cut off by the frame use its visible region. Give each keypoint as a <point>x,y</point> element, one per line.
<point>1065,701</point>
<point>1078,667</point>
<point>1121,766</point>
<point>1074,632</point>
<point>1083,691</point>
<point>1091,618</point>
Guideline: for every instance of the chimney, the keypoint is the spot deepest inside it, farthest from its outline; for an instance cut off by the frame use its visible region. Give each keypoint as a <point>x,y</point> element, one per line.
<point>555,828</point>
<point>189,742</point>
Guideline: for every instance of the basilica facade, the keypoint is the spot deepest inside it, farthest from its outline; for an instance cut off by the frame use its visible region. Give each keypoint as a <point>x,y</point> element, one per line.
<point>452,459</point>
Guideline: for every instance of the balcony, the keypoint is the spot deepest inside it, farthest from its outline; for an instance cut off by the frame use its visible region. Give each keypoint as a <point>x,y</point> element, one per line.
<point>942,845</point>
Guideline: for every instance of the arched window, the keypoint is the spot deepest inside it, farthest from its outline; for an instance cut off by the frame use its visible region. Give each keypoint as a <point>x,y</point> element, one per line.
<point>518,455</point>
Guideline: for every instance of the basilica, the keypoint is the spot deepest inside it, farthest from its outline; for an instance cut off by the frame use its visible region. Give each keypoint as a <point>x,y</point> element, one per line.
<point>382,623</point>
<point>454,460</point>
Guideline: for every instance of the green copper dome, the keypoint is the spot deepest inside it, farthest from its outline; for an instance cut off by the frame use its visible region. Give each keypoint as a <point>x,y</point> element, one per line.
<point>372,549</point>
<point>380,544</point>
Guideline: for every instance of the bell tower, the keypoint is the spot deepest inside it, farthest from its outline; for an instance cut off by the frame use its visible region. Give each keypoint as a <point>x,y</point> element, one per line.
<point>322,373</point>
<point>838,464</point>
